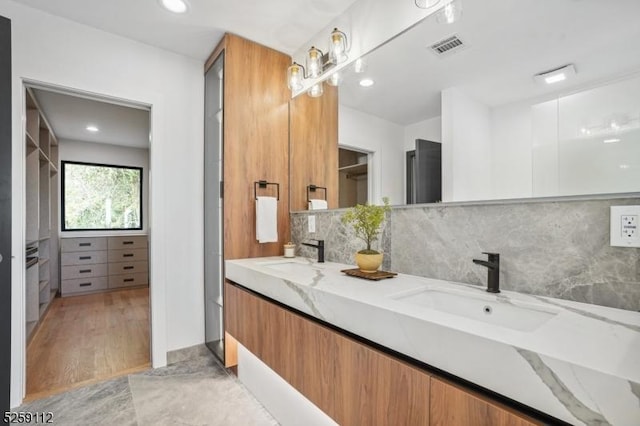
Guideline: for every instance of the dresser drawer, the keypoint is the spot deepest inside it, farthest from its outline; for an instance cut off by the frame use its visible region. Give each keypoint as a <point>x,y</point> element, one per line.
<point>84,285</point>
<point>128,280</point>
<point>83,258</point>
<point>128,255</point>
<point>131,242</point>
<point>83,244</point>
<point>120,268</point>
<point>83,271</point>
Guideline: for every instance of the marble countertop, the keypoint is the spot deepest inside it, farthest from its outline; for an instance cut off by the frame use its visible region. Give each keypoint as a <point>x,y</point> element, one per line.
<point>574,361</point>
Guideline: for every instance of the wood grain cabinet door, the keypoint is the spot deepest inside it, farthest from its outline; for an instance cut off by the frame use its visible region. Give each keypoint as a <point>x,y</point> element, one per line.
<point>452,406</point>
<point>380,390</point>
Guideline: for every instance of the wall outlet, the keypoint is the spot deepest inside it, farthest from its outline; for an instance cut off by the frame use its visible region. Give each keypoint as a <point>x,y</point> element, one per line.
<point>624,226</point>
<point>311,222</point>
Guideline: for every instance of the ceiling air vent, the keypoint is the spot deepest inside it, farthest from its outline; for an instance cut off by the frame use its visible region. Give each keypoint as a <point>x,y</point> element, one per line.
<point>448,46</point>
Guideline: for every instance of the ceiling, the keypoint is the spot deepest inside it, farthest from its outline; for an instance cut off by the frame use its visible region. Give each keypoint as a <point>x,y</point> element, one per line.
<point>508,42</point>
<point>284,25</point>
<point>70,115</point>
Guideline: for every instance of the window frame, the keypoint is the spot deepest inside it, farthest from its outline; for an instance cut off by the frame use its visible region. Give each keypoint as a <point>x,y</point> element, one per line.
<point>63,227</point>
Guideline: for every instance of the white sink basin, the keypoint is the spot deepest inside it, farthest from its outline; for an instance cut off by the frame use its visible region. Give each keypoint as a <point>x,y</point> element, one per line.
<point>291,266</point>
<point>479,307</point>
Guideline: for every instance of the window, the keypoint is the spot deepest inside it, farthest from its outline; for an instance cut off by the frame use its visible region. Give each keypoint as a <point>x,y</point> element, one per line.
<point>101,197</point>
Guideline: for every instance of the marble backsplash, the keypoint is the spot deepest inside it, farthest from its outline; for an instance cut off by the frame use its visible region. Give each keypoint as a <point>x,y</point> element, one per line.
<point>550,248</point>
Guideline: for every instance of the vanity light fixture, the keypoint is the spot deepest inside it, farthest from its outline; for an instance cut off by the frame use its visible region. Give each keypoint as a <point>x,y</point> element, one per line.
<point>93,129</point>
<point>335,79</point>
<point>624,166</point>
<point>612,140</point>
<point>295,75</point>
<point>450,13</point>
<point>366,82</point>
<point>314,62</point>
<point>556,75</point>
<point>318,64</point>
<point>339,48</point>
<point>175,6</point>
<point>316,90</point>
<point>359,66</point>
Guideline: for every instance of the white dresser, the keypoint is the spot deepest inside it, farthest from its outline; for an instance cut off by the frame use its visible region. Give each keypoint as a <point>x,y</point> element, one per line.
<point>90,264</point>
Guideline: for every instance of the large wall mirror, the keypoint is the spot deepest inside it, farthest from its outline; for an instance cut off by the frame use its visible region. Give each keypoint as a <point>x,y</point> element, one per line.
<point>470,87</point>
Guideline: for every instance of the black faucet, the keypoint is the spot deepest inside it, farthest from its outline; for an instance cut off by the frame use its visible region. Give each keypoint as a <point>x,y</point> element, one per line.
<point>320,247</point>
<point>493,265</point>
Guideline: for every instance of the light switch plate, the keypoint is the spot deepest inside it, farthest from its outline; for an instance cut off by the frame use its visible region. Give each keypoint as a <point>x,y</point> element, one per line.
<point>624,226</point>
<point>311,221</point>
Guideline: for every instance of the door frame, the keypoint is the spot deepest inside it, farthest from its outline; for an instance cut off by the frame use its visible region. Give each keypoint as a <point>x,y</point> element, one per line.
<point>157,283</point>
<point>6,216</point>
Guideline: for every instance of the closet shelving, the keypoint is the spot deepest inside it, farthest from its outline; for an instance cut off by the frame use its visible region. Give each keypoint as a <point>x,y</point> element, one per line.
<point>41,218</point>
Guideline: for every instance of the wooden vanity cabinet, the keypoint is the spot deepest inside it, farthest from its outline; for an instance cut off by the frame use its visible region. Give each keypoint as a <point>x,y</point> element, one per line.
<point>352,382</point>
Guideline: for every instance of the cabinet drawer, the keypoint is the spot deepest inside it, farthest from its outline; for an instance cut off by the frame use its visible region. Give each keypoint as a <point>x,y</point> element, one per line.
<point>128,255</point>
<point>83,285</point>
<point>83,258</point>
<point>84,271</point>
<point>120,268</point>
<point>128,280</point>
<point>130,242</point>
<point>83,244</point>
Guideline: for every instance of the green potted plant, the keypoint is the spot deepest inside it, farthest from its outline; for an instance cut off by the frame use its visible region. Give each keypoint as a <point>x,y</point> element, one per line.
<point>366,220</point>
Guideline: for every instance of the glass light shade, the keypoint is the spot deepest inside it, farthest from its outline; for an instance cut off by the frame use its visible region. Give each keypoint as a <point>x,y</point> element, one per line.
<point>334,79</point>
<point>314,62</point>
<point>295,75</point>
<point>359,66</point>
<point>338,49</point>
<point>316,90</point>
<point>450,13</point>
<point>426,4</point>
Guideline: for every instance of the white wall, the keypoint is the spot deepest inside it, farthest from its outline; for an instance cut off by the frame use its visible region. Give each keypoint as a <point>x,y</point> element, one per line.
<point>466,147</point>
<point>429,129</point>
<point>53,50</point>
<point>90,152</point>
<point>386,141</point>
<point>511,162</point>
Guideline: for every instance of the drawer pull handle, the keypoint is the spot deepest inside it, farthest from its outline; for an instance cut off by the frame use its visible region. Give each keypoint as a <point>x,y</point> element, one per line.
<point>127,267</point>
<point>84,245</point>
<point>127,242</point>
<point>127,255</point>
<point>85,285</point>
<point>84,271</point>
<point>128,280</point>
<point>85,257</point>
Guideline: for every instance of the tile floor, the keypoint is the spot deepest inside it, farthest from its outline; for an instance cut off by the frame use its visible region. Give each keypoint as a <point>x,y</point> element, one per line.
<point>197,391</point>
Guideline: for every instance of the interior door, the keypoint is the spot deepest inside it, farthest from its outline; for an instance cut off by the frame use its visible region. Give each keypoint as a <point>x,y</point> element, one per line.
<point>428,172</point>
<point>5,213</point>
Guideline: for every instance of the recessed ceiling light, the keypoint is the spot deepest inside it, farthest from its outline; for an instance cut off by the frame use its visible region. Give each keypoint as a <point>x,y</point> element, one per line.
<point>175,6</point>
<point>556,75</point>
<point>614,140</point>
<point>92,128</point>
<point>366,82</point>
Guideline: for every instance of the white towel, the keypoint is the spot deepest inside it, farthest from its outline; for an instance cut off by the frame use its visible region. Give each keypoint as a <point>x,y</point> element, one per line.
<point>267,219</point>
<point>317,204</point>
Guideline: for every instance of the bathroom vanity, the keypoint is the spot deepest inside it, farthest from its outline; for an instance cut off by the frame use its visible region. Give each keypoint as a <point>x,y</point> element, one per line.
<point>414,350</point>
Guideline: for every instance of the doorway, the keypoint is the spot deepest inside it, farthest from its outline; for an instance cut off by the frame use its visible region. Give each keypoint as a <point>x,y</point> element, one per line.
<point>353,179</point>
<point>87,306</point>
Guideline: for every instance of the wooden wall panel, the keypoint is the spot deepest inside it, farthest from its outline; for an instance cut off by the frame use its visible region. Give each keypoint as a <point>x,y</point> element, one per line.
<point>314,146</point>
<point>453,406</point>
<point>256,143</point>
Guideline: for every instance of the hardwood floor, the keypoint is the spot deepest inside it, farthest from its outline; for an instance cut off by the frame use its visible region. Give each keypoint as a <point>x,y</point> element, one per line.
<point>85,339</point>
